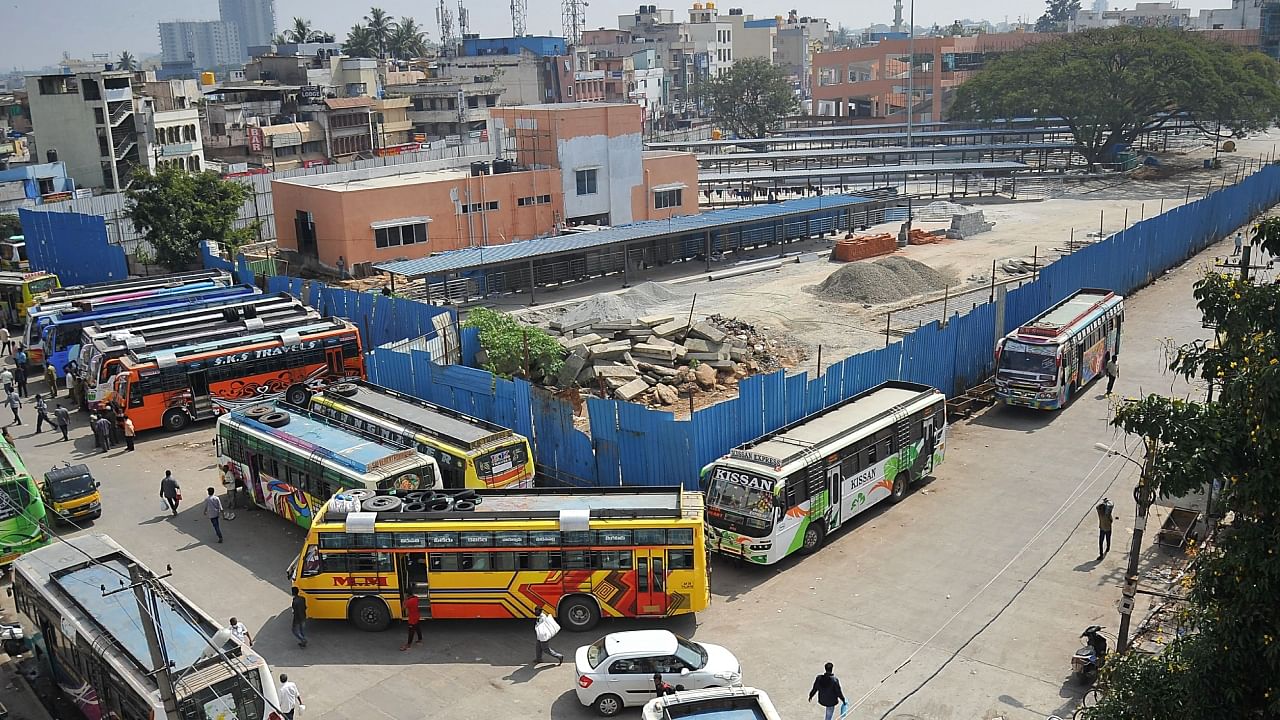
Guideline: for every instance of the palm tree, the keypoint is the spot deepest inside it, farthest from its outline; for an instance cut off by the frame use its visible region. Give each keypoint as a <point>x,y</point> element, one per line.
<point>407,40</point>
<point>380,24</point>
<point>279,39</point>
<point>127,61</point>
<point>360,42</point>
<point>300,32</point>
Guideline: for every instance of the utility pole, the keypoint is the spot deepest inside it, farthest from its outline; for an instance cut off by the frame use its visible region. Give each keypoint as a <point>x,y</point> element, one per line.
<point>1143,496</point>
<point>147,612</point>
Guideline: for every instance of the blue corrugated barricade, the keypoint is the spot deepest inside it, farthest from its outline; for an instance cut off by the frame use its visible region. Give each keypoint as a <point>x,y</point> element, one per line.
<point>73,246</point>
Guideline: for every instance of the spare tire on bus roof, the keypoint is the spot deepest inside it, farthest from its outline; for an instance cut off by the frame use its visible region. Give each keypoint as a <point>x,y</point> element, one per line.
<point>345,389</point>
<point>439,505</point>
<point>381,503</point>
<point>359,494</point>
<point>275,418</point>
<point>464,495</point>
<point>463,505</point>
<point>413,507</point>
<point>420,496</point>
<point>257,411</point>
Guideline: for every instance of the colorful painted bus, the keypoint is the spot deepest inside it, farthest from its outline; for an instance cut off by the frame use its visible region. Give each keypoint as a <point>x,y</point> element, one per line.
<point>83,298</point>
<point>200,381</point>
<point>22,512</point>
<point>21,291</point>
<point>87,626</point>
<point>582,553</point>
<point>60,338</point>
<point>291,462</point>
<point>472,453</point>
<point>787,491</point>
<point>1043,363</point>
<point>102,346</point>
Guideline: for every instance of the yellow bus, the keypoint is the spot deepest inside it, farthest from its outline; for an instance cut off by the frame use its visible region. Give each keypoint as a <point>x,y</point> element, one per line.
<point>20,291</point>
<point>582,553</point>
<point>470,452</point>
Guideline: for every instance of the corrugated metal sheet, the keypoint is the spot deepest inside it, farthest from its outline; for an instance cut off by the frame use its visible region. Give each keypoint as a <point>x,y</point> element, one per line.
<point>869,171</point>
<point>529,249</point>
<point>868,136</point>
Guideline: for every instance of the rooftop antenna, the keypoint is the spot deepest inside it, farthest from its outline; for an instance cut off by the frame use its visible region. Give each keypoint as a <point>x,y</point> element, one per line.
<point>573,15</point>
<point>519,13</point>
<point>444,16</point>
<point>464,20</point>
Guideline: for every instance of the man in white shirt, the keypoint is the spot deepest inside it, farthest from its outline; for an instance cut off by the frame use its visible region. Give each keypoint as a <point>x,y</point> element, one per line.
<point>240,633</point>
<point>290,698</point>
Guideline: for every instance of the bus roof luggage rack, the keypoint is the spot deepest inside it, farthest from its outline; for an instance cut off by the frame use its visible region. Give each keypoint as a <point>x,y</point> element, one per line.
<point>437,421</point>
<point>1067,313</point>
<point>567,505</point>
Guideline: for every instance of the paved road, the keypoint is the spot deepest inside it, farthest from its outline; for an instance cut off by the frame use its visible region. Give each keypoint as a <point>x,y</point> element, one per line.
<point>973,590</point>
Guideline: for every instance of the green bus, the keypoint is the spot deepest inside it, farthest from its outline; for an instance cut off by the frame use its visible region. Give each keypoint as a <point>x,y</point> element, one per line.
<point>22,513</point>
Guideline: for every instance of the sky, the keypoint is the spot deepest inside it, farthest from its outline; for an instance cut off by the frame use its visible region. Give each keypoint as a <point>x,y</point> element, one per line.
<point>39,31</point>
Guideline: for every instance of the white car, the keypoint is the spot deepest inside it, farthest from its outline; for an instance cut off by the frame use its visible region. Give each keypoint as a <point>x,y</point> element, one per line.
<point>617,670</point>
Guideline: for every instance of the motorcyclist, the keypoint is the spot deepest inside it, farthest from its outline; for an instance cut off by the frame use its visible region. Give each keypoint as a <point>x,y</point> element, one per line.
<point>1098,643</point>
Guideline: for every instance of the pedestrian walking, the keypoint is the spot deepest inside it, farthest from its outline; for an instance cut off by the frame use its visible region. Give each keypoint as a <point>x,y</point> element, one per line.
<point>299,607</point>
<point>20,357</point>
<point>63,419</point>
<point>1239,244</point>
<point>213,511</point>
<point>1112,369</point>
<point>827,687</point>
<point>414,618</point>
<point>6,342</point>
<point>171,491</point>
<point>1105,516</point>
<point>42,414</point>
<point>51,379</point>
<point>6,379</point>
<point>545,628</point>
<point>14,401</point>
<point>240,633</point>
<point>129,433</point>
<point>290,698</point>
<point>114,425</point>
<point>102,429</point>
<point>20,377</point>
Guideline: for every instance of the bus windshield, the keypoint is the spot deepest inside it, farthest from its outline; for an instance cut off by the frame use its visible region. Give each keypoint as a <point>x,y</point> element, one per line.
<point>72,487</point>
<point>741,492</point>
<point>42,285</point>
<point>1022,357</point>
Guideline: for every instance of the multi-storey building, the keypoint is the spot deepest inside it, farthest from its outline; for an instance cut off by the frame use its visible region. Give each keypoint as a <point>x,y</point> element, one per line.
<point>207,45</point>
<point>255,21</point>
<point>87,120</point>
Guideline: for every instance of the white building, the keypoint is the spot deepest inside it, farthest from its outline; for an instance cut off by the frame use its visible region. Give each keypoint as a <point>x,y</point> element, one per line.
<point>650,92</point>
<point>88,119</point>
<point>711,35</point>
<point>207,45</point>
<point>1143,14</point>
<point>1242,15</point>
<point>169,138</point>
<point>255,20</point>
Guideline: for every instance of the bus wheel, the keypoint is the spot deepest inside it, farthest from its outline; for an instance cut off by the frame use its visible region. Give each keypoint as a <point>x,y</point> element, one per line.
<point>579,614</point>
<point>370,615</point>
<point>297,395</point>
<point>175,419</point>
<point>901,483</point>
<point>813,537</point>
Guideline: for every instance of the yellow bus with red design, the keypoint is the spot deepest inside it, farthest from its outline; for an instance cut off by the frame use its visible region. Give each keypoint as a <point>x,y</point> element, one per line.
<point>178,385</point>
<point>582,553</point>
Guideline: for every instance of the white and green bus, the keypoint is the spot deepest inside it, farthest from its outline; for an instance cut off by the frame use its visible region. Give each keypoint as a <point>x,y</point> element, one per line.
<point>786,491</point>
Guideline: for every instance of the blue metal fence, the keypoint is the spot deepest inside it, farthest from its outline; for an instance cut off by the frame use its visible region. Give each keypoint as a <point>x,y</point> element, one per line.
<point>633,445</point>
<point>72,245</point>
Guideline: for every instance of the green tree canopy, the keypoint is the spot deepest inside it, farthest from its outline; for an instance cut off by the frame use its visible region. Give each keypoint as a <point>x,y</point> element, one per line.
<point>407,40</point>
<point>513,348</point>
<point>9,225</point>
<point>175,211</point>
<point>751,97</point>
<point>1111,86</point>
<point>1057,15</point>
<point>382,26</point>
<point>360,42</point>
<point>127,61</point>
<point>1226,662</point>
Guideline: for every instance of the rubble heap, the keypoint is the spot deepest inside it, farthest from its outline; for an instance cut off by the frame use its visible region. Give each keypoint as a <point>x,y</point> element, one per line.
<point>659,358</point>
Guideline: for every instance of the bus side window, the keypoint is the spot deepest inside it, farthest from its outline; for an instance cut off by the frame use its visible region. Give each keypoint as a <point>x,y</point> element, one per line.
<point>442,561</point>
<point>797,490</point>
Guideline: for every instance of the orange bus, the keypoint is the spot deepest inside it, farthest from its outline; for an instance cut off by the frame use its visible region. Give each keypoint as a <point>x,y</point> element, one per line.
<point>176,386</point>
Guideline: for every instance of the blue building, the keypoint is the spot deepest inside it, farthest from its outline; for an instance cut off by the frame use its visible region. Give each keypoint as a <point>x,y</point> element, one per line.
<point>540,45</point>
<point>25,185</point>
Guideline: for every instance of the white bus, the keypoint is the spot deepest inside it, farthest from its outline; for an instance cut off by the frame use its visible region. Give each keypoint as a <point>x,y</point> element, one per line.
<point>1043,363</point>
<point>96,649</point>
<point>786,491</point>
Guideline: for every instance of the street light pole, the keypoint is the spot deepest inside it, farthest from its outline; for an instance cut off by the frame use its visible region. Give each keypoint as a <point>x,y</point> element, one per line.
<point>1143,497</point>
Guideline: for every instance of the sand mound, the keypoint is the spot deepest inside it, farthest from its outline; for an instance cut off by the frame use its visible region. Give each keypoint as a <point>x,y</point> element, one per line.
<point>601,307</point>
<point>885,280</point>
<point>652,293</point>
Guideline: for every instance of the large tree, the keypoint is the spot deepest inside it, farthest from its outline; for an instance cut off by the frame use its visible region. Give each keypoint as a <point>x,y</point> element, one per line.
<point>360,42</point>
<point>1224,661</point>
<point>127,61</point>
<point>407,40</point>
<point>9,225</point>
<point>1057,15</point>
<point>382,26</point>
<point>1111,86</point>
<point>176,210</point>
<point>751,97</point>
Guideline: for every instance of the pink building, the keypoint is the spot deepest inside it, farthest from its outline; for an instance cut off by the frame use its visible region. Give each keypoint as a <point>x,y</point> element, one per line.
<point>564,164</point>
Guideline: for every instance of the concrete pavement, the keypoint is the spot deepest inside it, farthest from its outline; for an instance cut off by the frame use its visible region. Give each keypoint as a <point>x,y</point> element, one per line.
<point>965,601</point>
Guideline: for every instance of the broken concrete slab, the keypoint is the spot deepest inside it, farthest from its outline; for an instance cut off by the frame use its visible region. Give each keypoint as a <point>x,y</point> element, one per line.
<point>708,357</point>
<point>578,341</point>
<point>700,345</point>
<point>661,342</point>
<point>618,371</point>
<point>614,325</point>
<point>655,320</point>
<point>707,331</point>
<point>569,371</point>
<point>568,327</point>
<point>631,390</point>
<point>614,349</point>
<point>671,329</point>
<point>649,350</point>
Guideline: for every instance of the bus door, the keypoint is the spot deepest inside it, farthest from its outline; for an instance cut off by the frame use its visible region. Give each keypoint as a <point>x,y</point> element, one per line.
<point>411,571</point>
<point>834,481</point>
<point>334,361</point>
<point>199,380</point>
<point>651,581</point>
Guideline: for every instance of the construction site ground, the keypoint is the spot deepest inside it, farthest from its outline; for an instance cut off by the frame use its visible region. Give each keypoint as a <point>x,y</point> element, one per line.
<point>778,301</point>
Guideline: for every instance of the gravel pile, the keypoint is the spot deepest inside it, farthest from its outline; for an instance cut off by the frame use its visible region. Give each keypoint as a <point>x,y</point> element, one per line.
<point>885,280</point>
<point>603,307</point>
<point>652,293</point>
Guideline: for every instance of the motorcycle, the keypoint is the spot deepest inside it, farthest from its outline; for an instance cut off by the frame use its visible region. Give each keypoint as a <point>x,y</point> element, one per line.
<point>1088,660</point>
<point>12,639</point>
